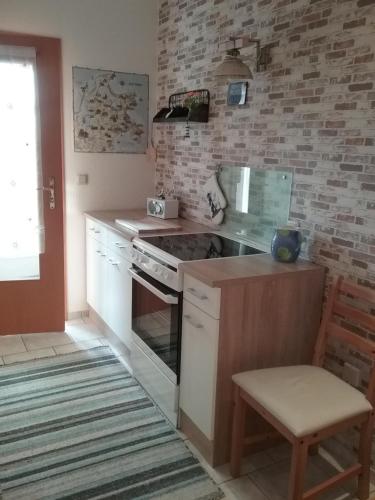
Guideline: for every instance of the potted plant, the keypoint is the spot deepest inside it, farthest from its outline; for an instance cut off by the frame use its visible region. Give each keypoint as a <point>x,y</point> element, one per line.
<point>198,110</point>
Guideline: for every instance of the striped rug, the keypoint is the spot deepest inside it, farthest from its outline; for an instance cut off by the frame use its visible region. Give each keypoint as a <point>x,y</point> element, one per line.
<point>79,426</point>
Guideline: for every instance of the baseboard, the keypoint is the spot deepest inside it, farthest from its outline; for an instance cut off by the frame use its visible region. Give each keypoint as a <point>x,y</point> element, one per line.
<point>77,315</point>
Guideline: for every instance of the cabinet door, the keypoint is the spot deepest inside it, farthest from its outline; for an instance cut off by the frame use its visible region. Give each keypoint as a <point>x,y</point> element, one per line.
<point>119,297</point>
<point>200,336</point>
<point>96,270</point>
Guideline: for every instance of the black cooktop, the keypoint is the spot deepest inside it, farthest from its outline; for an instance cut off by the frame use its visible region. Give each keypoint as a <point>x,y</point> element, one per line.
<point>199,246</point>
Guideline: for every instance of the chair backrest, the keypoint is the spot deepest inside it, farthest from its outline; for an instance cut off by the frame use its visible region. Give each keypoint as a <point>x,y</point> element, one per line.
<point>336,307</point>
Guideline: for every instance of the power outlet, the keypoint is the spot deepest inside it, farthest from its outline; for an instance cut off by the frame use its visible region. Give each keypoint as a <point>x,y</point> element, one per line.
<point>82,179</point>
<point>351,374</point>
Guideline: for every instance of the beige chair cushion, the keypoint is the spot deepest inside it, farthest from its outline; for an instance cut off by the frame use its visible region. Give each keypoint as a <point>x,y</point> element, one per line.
<point>304,398</point>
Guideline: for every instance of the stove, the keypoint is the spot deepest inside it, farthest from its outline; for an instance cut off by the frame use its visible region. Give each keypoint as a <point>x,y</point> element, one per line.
<point>157,306</point>
<point>160,256</point>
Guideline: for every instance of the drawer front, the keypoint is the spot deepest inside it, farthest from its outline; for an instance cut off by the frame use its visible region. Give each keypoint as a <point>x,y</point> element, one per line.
<point>199,351</point>
<point>159,387</point>
<point>202,296</point>
<point>118,244</point>
<point>96,231</point>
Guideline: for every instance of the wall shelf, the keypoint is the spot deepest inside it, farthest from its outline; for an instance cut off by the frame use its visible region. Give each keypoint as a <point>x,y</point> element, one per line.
<point>191,106</point>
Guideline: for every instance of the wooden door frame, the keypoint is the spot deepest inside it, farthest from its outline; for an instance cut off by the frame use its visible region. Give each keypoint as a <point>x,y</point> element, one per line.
<point>52,116</point>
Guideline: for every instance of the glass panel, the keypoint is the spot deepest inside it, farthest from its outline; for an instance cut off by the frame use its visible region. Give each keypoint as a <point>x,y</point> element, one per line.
<point>20,219</point>
<point>156,323</point>
<point>258,201</point>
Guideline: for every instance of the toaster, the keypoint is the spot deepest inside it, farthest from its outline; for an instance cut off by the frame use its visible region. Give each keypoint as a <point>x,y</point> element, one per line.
<point>164,209</point>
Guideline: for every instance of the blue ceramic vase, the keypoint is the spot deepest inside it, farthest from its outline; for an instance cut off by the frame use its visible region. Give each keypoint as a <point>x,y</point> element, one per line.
<point>286,245</point>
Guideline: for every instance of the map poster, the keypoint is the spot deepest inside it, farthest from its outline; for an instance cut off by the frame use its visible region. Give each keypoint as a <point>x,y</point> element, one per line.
<point>110,111</point>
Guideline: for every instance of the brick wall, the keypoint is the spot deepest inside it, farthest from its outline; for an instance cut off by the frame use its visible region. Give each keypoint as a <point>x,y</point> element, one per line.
<point>312,112</point>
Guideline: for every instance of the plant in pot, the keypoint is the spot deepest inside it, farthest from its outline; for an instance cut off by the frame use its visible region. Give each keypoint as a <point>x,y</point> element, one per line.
<point>197,109</point>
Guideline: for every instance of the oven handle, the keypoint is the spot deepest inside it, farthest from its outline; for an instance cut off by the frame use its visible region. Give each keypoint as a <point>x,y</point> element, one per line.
<point>168,299</point>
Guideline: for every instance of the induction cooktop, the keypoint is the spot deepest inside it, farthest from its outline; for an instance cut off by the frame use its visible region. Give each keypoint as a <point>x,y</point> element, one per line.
<point>200,246</point>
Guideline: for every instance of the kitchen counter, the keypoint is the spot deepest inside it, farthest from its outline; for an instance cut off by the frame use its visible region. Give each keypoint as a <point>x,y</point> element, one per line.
<point>108,217</point>
<point>216,272</point>
<point>237,270</point>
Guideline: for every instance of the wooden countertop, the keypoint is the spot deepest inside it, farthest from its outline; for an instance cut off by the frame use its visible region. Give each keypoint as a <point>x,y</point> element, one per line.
<point>108,217</point>
<point>215,272</point>
<point>238,270</point>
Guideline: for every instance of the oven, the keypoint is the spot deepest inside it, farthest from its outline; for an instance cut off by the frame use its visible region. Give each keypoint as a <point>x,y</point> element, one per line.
<point>156,329</point>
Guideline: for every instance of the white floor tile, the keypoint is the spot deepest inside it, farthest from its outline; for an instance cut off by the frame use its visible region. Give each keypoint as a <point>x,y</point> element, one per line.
<point>221,474</point>
<point>281,452</point>
<point>273,480</point>
<point>242,489</point>
<point>79,330</point>
<point>29,355</point>
<point>77,346</point>
<point>73,322</point>
<point>11,344</point>
<point>40,340</point>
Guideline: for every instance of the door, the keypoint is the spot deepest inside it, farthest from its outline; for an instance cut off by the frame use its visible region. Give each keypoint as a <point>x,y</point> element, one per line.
<point>32,281</point>
<point>156,321</point>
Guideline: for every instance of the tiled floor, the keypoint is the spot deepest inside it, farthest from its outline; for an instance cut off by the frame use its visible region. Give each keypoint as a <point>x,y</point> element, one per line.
<point>265,474</point>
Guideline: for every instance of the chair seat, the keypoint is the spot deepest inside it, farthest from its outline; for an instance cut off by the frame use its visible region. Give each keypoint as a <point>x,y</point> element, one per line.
<point>303,398</point>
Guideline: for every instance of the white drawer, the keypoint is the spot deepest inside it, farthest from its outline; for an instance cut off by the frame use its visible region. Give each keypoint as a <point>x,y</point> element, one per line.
<point>200,340</point>
<point>119,244</point>
<point>96,230</point>
<point>203,296</point>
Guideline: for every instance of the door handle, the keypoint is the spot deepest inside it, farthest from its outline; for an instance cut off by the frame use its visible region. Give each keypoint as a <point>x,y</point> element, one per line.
<point>193,323</point>
<point>197,294</point>
<point>51,190</point>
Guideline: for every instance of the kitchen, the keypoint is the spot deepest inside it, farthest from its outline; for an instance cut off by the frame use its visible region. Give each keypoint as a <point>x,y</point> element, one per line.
<point>306,115</point>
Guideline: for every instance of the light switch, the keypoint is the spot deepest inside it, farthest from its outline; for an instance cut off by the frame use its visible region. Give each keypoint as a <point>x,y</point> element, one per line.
<point>82,179</point>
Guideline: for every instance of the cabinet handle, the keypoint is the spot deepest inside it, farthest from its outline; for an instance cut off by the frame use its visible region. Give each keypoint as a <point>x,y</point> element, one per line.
<point>97,231</point>
<point>103,254</point>
<point>119,245</point>
<point>200,296</point>
<point>98,252</point>
<point>192,322</point>
<point>113,262</point>
<point>91,229</point>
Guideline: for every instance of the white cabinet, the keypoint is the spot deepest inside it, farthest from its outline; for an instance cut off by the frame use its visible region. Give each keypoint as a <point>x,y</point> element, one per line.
<point>118,297</point>
<point>200,340</point>
<point>108,281</point>
<point>202,296</point>
<point>96,274</point>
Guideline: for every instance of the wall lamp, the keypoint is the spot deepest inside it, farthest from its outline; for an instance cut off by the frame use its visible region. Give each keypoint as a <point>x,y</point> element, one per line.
<point>234,67</point>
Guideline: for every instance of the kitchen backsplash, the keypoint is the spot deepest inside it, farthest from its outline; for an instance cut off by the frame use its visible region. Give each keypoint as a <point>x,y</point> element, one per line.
<point>258,201</point>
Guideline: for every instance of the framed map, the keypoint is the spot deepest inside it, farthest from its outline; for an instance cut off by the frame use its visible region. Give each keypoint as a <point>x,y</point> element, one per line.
<point>110,111</point>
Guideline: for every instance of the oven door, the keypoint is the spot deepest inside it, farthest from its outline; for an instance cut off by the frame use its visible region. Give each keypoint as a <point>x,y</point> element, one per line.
<point>156,322</point>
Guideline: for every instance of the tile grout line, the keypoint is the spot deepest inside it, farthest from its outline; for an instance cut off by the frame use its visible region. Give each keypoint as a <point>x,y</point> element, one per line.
<point>24,344</point>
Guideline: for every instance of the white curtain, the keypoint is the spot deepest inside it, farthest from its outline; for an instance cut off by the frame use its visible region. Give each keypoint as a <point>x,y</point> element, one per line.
<point>21,202</point>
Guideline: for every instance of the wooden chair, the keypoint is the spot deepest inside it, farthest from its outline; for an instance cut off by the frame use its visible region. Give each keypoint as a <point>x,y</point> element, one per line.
<point>307,404</point>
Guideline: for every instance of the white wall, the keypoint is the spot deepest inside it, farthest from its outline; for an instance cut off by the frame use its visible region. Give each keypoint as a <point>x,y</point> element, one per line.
<point>109,34</point>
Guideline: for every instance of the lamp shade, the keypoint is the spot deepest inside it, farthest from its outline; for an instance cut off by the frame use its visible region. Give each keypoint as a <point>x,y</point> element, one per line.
<point>232,66</point>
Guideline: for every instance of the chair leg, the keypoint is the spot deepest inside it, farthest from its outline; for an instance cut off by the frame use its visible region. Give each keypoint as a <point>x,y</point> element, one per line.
<point>238,432</point>
<point>364,457</point>
<point>298,470</point>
